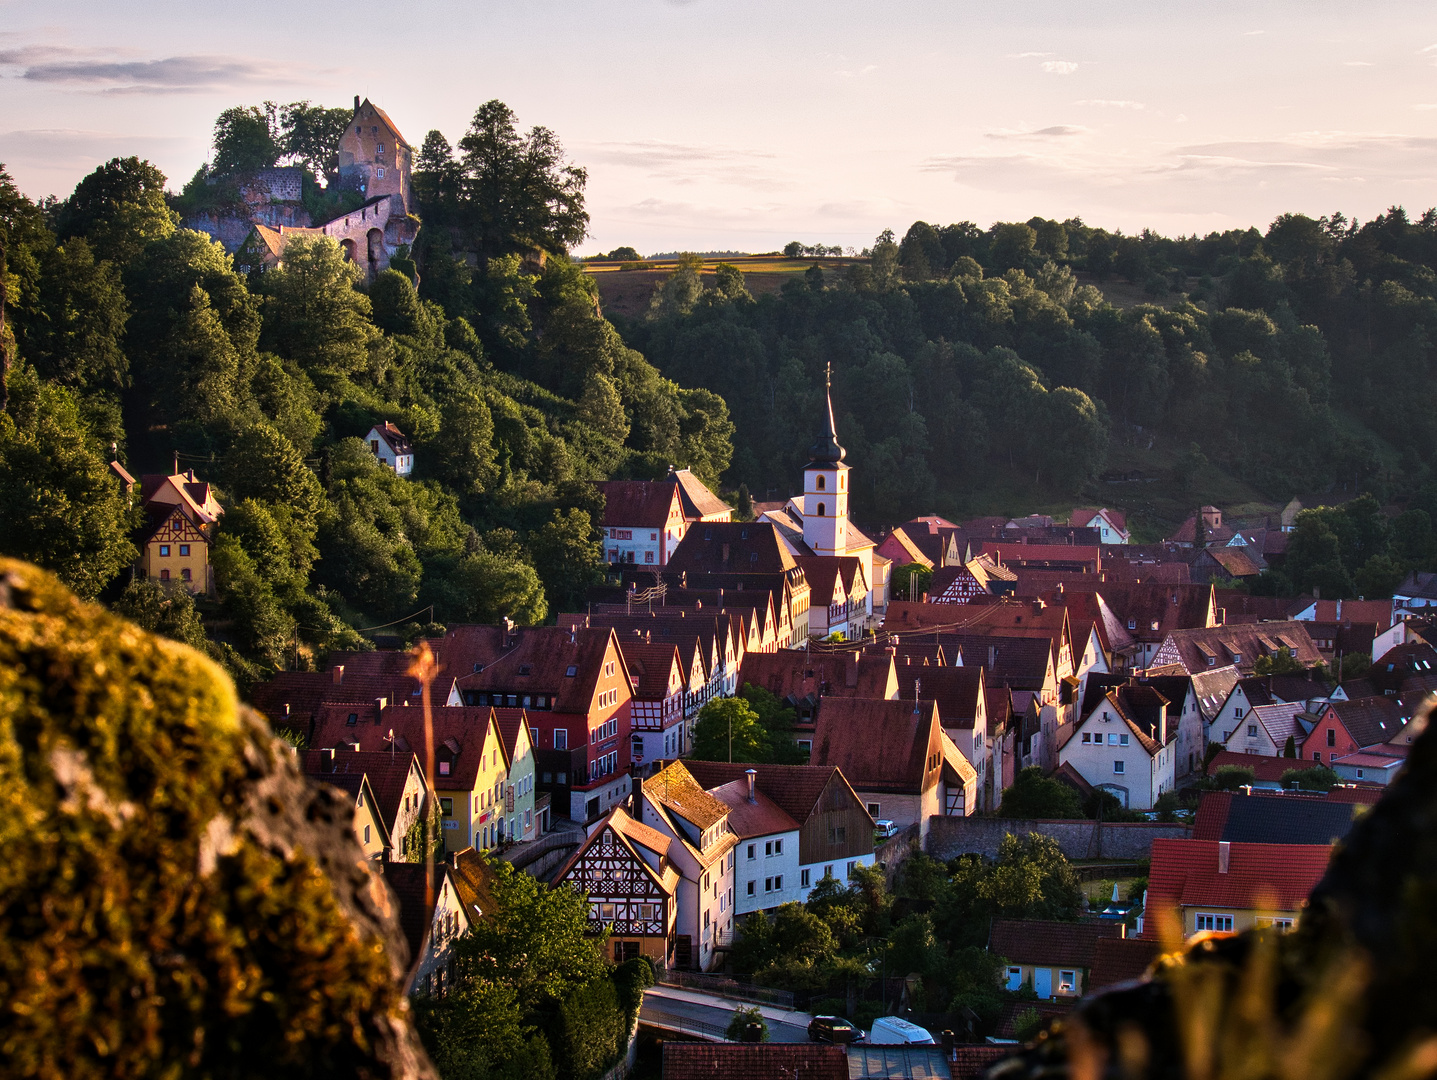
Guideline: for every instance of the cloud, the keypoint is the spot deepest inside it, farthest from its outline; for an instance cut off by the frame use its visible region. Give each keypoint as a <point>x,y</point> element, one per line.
<point>867,69</point>
<point>1059,67</point>
<point>1055,131</point>
<point>110,71</point>
<point>1024,55</point>
<point>1357,63</point>
<point>1253,33</point>
<point>1108,103</point>
<point>1426,105</point>
<point>689,162</point>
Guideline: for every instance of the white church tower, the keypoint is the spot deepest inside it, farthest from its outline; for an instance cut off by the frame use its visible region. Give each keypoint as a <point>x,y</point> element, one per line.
<point>825,488</point>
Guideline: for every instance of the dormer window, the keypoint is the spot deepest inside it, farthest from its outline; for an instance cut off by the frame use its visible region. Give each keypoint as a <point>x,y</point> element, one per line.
<point>1132,624</point>
<point>444,768</point>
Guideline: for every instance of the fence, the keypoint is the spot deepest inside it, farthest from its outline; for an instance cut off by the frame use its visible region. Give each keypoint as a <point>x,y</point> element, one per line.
<point>682,1024</point>
<point>723,986</point>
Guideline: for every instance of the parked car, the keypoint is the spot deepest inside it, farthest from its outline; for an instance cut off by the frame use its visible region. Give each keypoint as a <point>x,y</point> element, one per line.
<point>833,1029</point>
<point>895,1031</point>
<point>883,828</point>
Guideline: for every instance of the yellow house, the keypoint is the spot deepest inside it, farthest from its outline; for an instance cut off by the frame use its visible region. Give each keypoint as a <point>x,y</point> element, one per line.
<point>1054,958</point>
<point>180,517</point>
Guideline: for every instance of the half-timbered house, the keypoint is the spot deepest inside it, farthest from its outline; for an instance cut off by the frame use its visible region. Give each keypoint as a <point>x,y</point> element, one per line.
<point>626,871</point>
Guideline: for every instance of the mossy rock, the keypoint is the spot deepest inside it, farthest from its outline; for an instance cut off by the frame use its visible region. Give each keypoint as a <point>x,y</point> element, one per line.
<point>175,899</point>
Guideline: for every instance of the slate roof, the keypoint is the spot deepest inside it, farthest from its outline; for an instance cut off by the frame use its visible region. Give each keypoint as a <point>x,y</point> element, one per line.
<point>1370,720</point>
<point>1272,819</point>
<point>1212,687</point>
<point>1185,873</point>
<point>1120,960</point>
<point>754,1061</point>
<point>878,744</point>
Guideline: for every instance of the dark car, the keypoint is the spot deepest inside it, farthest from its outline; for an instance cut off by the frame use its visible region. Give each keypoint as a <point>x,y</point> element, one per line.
<point>833,1029</point>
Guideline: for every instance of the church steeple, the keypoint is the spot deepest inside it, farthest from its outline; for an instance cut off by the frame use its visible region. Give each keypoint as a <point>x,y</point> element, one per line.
<point>826,449</point>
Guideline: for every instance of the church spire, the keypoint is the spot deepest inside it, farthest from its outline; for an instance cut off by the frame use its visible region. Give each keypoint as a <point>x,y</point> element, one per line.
<point>827,448</point>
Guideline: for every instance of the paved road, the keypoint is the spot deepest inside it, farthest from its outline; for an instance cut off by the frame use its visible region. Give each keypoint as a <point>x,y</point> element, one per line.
<point>710,1015</point>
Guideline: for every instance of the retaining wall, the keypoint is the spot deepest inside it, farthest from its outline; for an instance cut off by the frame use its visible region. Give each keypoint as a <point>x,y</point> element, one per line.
<point>949,837</point>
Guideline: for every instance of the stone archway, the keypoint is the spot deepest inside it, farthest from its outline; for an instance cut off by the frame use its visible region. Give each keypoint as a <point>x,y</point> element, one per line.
<point>347,246</point>
<point>376,251</point>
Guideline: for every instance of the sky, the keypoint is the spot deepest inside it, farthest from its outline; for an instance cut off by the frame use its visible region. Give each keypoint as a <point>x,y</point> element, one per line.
<point>738,125</point>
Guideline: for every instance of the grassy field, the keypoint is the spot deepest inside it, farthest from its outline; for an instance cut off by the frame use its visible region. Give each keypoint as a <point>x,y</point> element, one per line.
<point>626,292</point>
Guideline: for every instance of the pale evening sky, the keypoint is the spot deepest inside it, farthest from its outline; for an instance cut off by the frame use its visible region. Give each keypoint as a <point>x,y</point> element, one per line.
<point>716,124</point>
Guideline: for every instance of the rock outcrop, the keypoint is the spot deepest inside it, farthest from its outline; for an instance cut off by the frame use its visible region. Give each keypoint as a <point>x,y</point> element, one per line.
<point>175,899</point>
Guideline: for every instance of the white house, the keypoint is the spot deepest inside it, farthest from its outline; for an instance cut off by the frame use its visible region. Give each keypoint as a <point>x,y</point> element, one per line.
<point>1112,525</point>
<point>389,445</point>
<point>644,520</point>
<point>1265,729</point>
<point>1123,747</point>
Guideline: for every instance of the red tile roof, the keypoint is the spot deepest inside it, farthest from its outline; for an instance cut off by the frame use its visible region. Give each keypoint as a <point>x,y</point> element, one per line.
<point>639,503</point>
<point>796,788</point>
<point>1267,769</point>
<point>879,744</point>
<point>1275,877</point>
<point>1032,941</point>
<point>388,774</point>
<point>762,817</point>
<point>760,1061</point>
<point>462,729</point>
<point>732,547</point>
<point>651,667</point>
<point>955,689</point>
<point>1120,960</point>
<point>969,1061</point>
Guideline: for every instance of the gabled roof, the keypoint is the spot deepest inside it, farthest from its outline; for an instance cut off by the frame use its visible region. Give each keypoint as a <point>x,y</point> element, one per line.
<point>675,788</point>
<point>903,550</point>
<point>761,817</point>
<point>1117,704</point>
<point>799,674</point>
<point>395,439</point>
<point>511,723</point>
<point>1370,720</point>
<point>1082,517</point>
<point>1045,943</point>
<point>698,500</point>
<point>1272,819</point>
<point>1186,873</point>
<point>388,773</point>
<point>878,744</point>
<point>1212,687</point>
<point>632,835</point>
<point>416,917</point>
<point>832,576</point>
<point>459,732</point>
<point>1269,770</point>
<point>1240,645</point>
<point>754,1061</point>
<point>639,503</point>
<point>384,116</point>
<point>1280,721</point>
<point>1120,960</point>
<point>539,659</point>
<point>732,547</point>
<point>956,690</point>
<point>651,667</point>
<point>795,788</point>
<point>1235,561</point>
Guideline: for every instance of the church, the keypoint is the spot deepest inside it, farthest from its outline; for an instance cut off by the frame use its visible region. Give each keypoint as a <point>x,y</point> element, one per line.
<point>847,577</point>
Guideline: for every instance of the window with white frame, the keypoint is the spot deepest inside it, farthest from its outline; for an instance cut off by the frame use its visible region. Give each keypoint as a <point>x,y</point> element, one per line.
<point>1067,982</point>
<point>1208,921</point>
<point>1120,766</point>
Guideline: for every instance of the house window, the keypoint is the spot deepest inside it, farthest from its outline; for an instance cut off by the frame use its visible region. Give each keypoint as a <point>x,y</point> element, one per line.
<point>1120,766</point>
<point>803,878</point>
<point>1087,738</point>
<point>1067,982</point>
<point>379,148</point>
<point>778,847</point>
<point>1122,740</point>
<point>777,882</point>
<point>828,870</point>
<point>1359,774</point>
<point>606,912</point>
<point>164,550</point>
<point>444,768</point>
<point>352,719</point>
<point>752,850</point>
<point>1331,736</point>
<point>821,508</point>
<point>850,870</point>
<point>446,807</point>
<point>1276,924</point>
<point>184,549</point>
<point>1252,731</point>
<point>164,575</point>
<point>1217,923</point>
<point>648,556</point>
<point>873,809</point>
<point>1317,755</point>
<point>838,834</point>
<point>185,574</point>
<point>561,738</point>
<point>751,885</point>
<point>820,483</point>
<point>1015,978</point>
<point>768,884</point>
<point>571,671</point>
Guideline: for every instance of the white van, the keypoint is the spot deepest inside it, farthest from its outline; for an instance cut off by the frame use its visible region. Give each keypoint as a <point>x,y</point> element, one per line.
<point>893,1031</point>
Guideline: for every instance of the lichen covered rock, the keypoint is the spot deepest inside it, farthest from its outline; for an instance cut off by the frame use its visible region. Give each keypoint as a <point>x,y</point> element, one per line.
<point>175,899</point>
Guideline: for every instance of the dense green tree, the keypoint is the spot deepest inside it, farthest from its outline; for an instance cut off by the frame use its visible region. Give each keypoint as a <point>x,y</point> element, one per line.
<point>167,611</point>
<point>247,139</point>
<point>777,720</point>
<point>118,208</point>
<point>310,136</point>
<point>567,553</point>
<point>1034,795</point>
<point>728,729</point>
<point>62,506</point>
<point>313,314</point>
<point>77,336</point>
<point>477,1032</point>
<point>485,587</point>
<point>462,455</point>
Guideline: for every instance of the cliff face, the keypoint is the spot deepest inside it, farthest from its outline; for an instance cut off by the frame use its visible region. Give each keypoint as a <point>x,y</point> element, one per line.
<point>1349,993</point>
<point>175,899</point>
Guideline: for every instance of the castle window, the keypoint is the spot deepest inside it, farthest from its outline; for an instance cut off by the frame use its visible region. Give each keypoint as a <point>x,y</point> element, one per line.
<point>379,173</point>
<point>820,483</point>
<point>821,509</point>
<point>379,148</point>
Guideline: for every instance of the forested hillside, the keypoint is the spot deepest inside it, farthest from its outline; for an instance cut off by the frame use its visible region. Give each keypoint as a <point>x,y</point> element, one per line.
<point>967,360</point>
<point>124,330</point>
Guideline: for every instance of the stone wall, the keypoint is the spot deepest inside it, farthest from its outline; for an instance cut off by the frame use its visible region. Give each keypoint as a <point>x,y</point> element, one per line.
<point>949,837</point>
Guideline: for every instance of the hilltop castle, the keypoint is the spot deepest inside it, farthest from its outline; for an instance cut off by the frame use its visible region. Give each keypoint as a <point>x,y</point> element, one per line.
<point>374,161</point>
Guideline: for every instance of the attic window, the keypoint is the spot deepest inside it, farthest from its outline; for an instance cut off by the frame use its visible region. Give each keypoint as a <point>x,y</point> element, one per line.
<point>478,668</point>
<point>571,671</point>
<point>525,669</point>
<point>753,556</point>
<point>353,718</point>
<point>444,768</point>
<point>1132,624</point>
<point>1153,625</point>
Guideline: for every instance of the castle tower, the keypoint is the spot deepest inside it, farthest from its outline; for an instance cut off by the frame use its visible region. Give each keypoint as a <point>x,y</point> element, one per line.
<point>825,488</point>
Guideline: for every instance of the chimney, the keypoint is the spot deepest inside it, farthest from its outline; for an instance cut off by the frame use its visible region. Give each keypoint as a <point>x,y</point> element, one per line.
<point>1224,854</point>
<point>636,793</point>
<point>751,774</point>
<point>338,674</point>
<point>326,760</point>
<point>382,702</point>
<point>917,694</point>
<point>356,102</point>
<point>1038,606</point>
<point>725,555</point>
<point>850,673</point>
